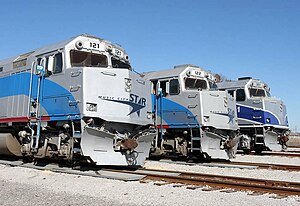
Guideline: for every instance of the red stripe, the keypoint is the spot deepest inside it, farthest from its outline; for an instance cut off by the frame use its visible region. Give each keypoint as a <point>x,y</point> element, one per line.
<point>21,119</point>
<point>14,119</point>
<point>163,126</point>
<point>44,118</point>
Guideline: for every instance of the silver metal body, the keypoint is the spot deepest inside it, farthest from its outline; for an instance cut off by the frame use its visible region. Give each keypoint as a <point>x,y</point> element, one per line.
<point>78,98</point>
<point>193,118</point>
<point>261,118</point>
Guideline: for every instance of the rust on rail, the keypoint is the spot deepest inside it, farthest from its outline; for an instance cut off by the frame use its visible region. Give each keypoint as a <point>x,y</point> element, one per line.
<point>220,181</point>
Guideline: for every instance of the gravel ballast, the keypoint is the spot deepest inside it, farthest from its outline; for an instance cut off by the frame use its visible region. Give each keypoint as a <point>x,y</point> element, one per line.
<point>24,186</point>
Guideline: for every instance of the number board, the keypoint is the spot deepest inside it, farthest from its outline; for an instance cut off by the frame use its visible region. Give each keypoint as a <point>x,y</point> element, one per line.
<point>197,73</point>
<point>118,52</point>
<point>95,46</point>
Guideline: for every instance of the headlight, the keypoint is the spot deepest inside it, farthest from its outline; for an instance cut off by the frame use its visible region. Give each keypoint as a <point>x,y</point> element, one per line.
<point>149,115</point>
<point>206,118</point>
<point>91,107</point>
<point>128,85</point>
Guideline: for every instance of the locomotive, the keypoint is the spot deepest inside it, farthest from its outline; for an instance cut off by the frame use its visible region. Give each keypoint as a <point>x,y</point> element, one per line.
<point>77,100</point>
<point>262,118</point>
<point>193,118</point>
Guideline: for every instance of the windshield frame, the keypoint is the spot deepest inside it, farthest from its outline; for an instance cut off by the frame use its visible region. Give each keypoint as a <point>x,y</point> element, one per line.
<point>257,92</point>
<point>89,60</point>
<point>117,63</point>
<point>193,85</point>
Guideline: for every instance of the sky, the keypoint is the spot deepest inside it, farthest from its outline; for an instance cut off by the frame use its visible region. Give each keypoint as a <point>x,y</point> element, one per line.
<point>235,38</point>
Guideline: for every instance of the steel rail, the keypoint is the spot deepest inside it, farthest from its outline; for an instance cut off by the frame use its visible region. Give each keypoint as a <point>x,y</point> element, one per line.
<point>258,165</point>
<point>265,165</point>
<point>220,181</point>
<point>282,154</point>
<point>189,178</point>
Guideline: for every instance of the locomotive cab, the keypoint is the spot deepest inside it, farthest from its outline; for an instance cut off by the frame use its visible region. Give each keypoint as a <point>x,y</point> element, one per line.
<point>262,118</point>
<point>77,99</point>
<point>193,118</point>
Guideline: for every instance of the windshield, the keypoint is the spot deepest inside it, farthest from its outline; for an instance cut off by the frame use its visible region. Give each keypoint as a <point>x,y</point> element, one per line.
<point>257,92</point>
<point>119,64</point>
<point>191,83</point>
<point>87,59</point>
<point>213,85</point>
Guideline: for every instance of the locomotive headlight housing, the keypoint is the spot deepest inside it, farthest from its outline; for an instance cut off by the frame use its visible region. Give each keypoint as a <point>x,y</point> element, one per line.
<point>91,107</point>
<point>149,115</point>
<point>206,118</point>
<point>126,57</point>
<point>287,133</point>
<point>109,48</point>
<point>128,85</point>
<point>79,45</point>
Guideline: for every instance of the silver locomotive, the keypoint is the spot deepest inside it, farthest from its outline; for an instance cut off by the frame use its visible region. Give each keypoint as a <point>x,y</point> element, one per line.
<point>192,117</point>
<point>262,118</point>
<point>75,100</point>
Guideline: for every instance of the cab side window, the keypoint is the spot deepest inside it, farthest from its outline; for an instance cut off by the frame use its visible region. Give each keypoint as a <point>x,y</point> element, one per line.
<point>174,87</point>
<point>240,95</point>
<point>57,63</point>
<point>231,92</point>
<point>163,86</point>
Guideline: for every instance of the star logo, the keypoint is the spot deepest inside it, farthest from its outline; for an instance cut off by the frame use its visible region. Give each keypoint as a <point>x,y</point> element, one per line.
<point>135,107</point>
<point>230,113</point>
<point>137,103</point>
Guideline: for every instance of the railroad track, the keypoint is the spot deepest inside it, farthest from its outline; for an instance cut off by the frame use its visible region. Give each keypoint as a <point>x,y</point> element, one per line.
<point>271,153</point>
<point>220,182</point>
<point>282,154</point>
<point>265,165</point>
<point>192,180</point>
<point>242,165</point>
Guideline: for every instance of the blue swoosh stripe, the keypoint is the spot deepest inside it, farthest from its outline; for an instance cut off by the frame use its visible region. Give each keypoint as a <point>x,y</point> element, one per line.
<point>250,114</point>
<point>174,114</point>
<point>55,99</point>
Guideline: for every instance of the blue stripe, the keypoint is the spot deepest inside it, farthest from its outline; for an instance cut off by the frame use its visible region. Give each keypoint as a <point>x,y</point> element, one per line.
<point>55,99</point>
<point>259,116</point>
<point>174,114</point>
